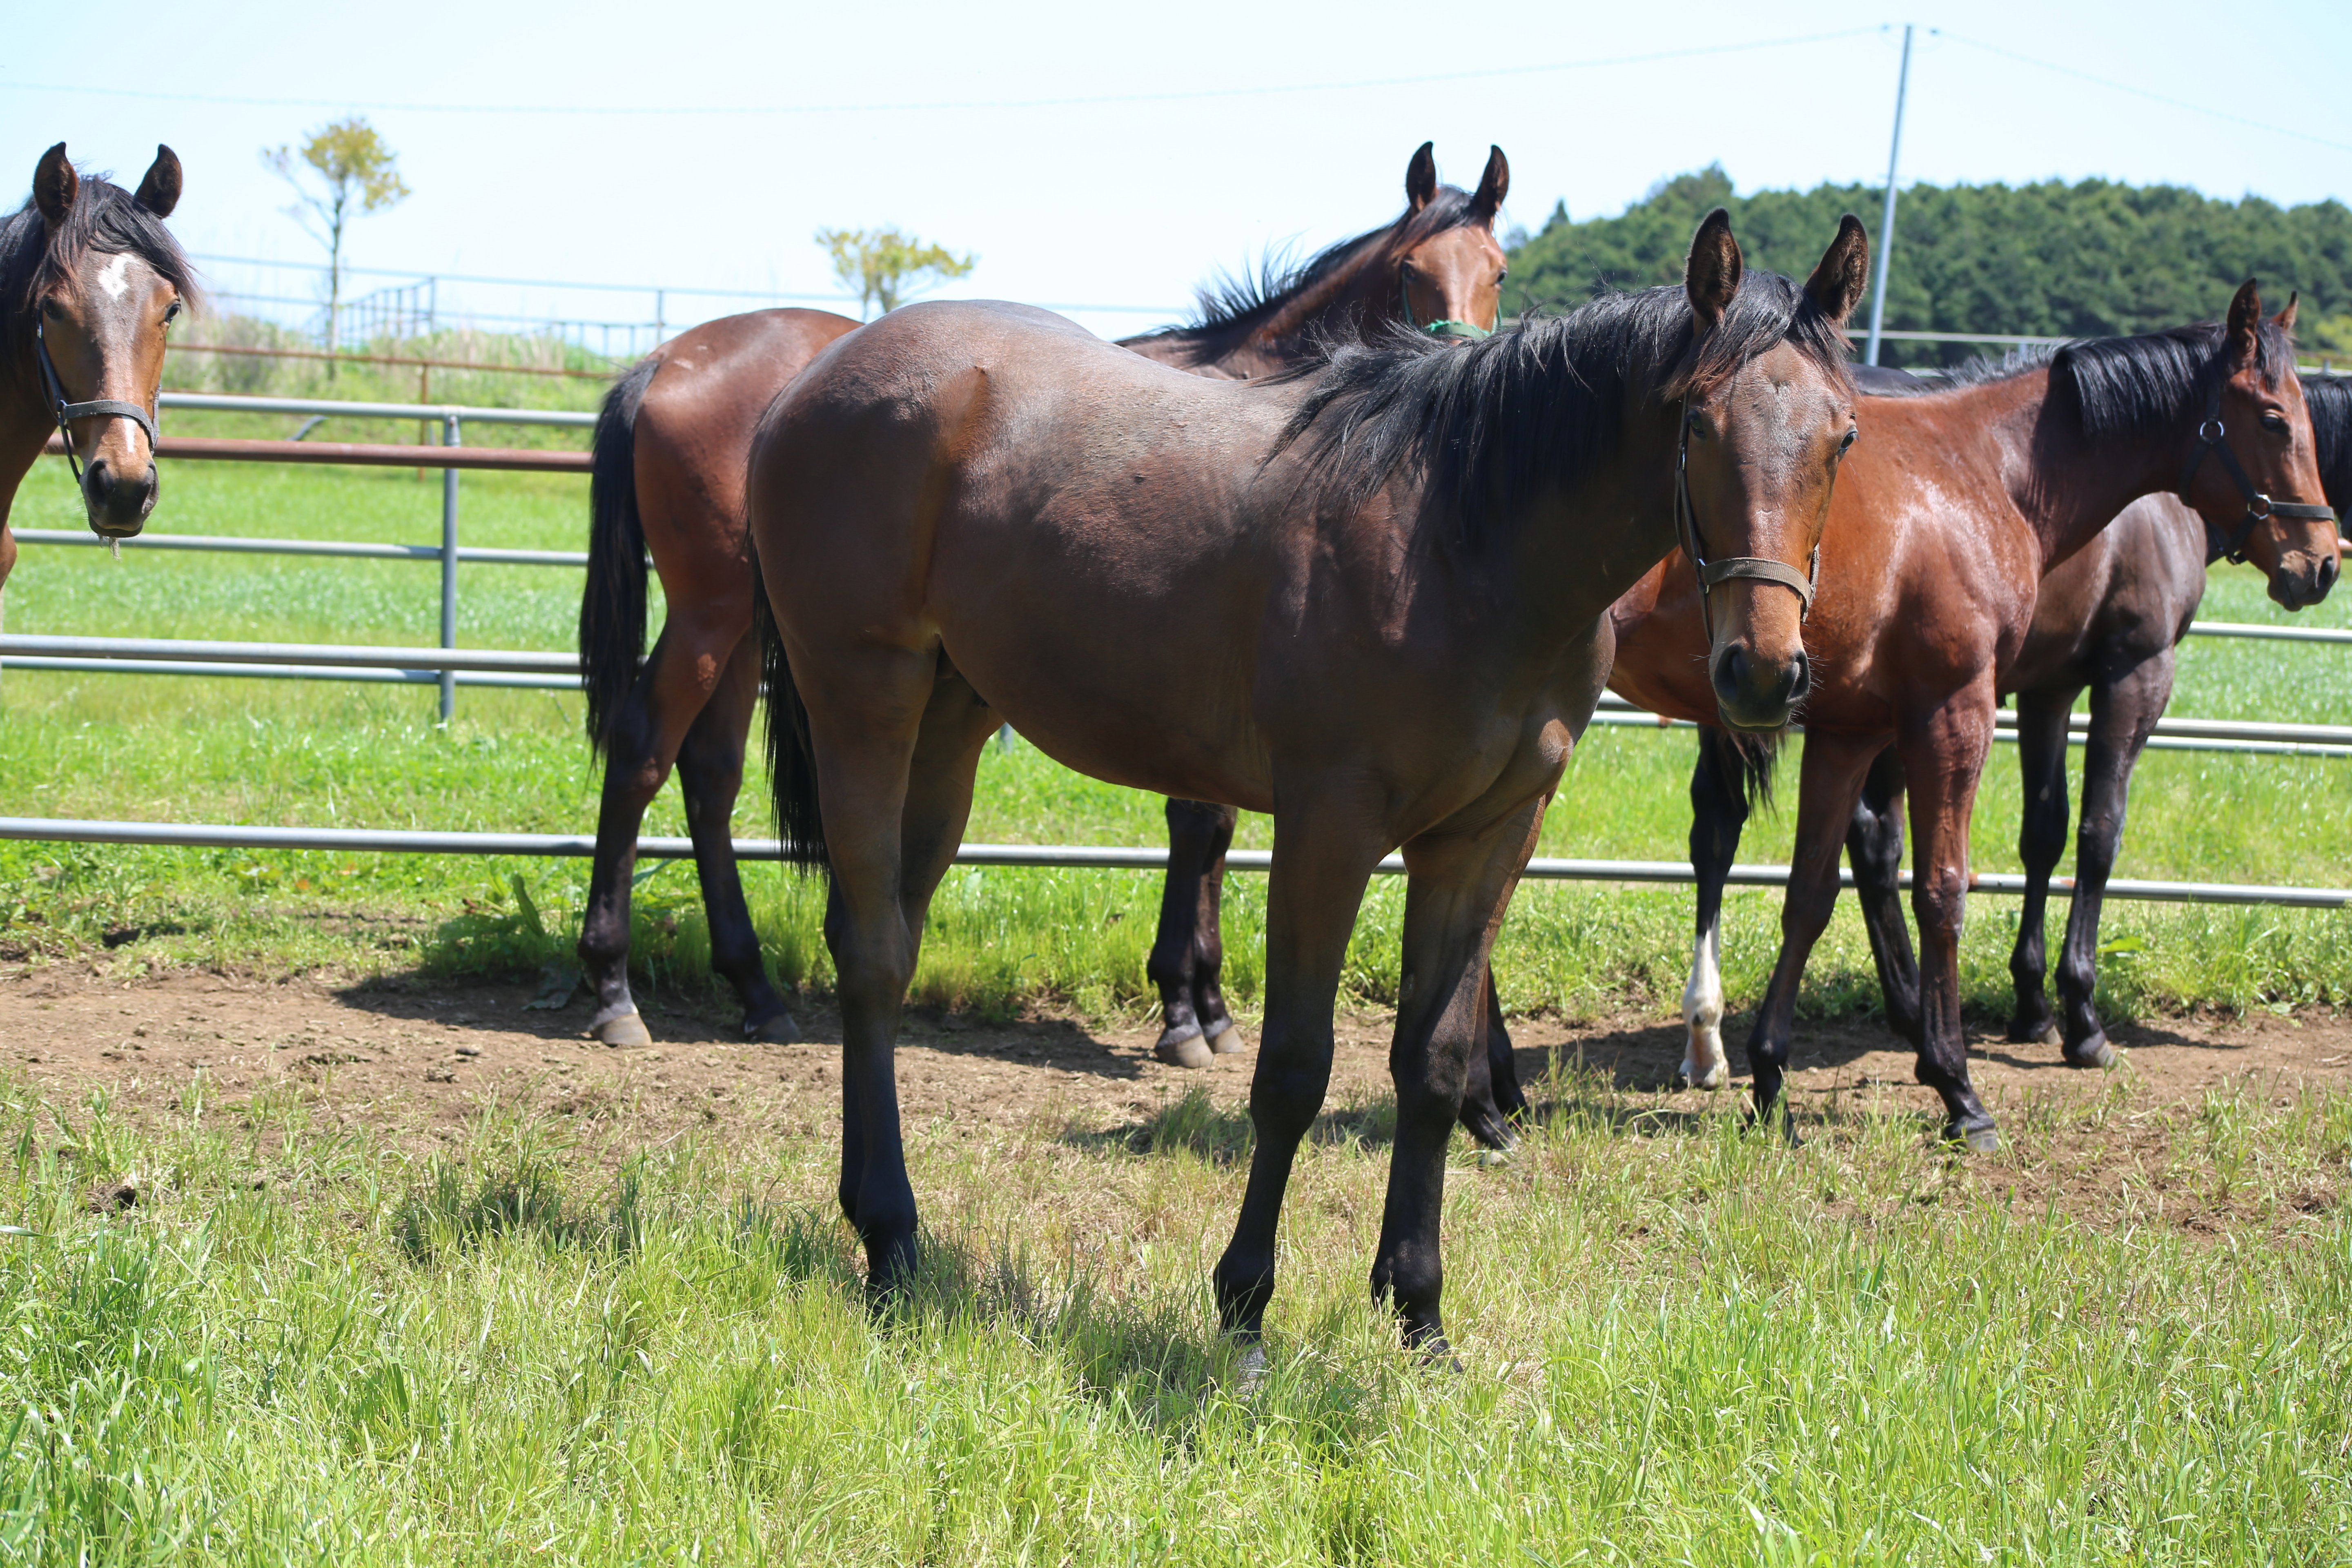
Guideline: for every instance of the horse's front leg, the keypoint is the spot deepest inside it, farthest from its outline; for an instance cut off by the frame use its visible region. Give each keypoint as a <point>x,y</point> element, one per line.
<point>1457,886</point>
<point>1873,844</point>
<point>1944,757</point>
<point>1324,854</point>
<point>1718,811</point>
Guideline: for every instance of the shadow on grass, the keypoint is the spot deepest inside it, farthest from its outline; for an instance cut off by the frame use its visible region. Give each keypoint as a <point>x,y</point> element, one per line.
<point>1196,1125</point>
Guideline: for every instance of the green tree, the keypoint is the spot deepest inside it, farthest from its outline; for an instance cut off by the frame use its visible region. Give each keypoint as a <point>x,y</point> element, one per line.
<point>883,267</point>
<point>2046,260</point>
<point>351,172</point>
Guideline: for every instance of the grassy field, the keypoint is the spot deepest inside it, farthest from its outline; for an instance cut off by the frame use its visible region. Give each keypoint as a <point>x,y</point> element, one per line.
<point>244,750</point>
<point>2119,1341</point>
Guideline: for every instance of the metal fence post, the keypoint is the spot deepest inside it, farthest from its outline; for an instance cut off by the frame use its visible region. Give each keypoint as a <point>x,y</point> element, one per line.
<point>449,438</point>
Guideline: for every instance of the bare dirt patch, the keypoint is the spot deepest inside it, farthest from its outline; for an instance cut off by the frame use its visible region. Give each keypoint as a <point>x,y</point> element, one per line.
<point>415,1057</point>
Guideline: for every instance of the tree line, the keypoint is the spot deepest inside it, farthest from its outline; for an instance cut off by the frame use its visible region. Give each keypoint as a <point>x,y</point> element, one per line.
<point>2047,259</point>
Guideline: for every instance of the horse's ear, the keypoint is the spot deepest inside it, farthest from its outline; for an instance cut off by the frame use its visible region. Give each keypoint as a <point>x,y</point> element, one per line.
<point>1493,187</point>
<point>1421,178</point>
<point>1838,284</point>
<point>1711,276</point>
<point>159,191</point>
<point>55,184</point>
<point>2245,324</point>
<point>2286,319</point>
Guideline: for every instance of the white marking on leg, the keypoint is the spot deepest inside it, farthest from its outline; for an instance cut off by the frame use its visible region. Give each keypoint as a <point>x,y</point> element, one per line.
<point>1702,1062</point>
<point>115,276</point>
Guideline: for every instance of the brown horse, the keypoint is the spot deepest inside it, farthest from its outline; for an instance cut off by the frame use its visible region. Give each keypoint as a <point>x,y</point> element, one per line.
<point>89,279</point>
<point>669,477</point>
<point>1957,503</point>
<point>2107,620</point>
<point>1371,600</point>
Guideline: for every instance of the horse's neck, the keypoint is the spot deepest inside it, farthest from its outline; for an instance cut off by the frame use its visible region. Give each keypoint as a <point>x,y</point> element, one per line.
<point>1348,300</point>
<point>2065,485</point>
<point>1585,543</point>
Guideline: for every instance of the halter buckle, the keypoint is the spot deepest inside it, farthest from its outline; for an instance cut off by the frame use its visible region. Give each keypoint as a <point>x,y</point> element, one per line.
<point>2211,432</point>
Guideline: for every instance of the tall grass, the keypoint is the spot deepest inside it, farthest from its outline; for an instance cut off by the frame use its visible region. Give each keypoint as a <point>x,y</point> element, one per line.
<point>1683,1346</point>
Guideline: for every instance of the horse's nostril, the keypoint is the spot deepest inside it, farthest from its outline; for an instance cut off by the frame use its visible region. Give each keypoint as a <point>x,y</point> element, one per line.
<point>1730,674</point>
<point>1801,676</point>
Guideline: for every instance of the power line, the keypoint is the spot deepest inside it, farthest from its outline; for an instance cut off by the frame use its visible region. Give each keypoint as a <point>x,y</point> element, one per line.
<point>1189,96</point>
<point>2166,100</point>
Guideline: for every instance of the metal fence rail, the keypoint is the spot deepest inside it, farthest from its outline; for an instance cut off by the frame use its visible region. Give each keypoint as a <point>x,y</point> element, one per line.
<point>360,840</point>
<point>555,671</point>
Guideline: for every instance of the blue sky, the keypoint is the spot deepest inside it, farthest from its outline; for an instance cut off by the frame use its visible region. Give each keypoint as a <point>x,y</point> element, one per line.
<point>580,142</point>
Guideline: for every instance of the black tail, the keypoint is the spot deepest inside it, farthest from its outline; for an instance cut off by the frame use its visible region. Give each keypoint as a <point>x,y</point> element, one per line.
<point>613,604</point>
<point>1748,756</point>
<point>791,762</point>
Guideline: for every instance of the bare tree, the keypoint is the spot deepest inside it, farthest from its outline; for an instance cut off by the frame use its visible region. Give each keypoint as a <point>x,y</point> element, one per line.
<point>352,172</point>
<point>883,267</point>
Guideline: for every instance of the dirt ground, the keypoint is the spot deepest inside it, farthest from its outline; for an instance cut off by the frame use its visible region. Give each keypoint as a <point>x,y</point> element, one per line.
<point>417,1058</point>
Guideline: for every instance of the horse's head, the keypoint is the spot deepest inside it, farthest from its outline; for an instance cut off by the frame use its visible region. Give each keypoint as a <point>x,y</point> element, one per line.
<point>100,303</point>
<point>1767,411</point>
<point>2263,496</point>
<point>1449,280</point>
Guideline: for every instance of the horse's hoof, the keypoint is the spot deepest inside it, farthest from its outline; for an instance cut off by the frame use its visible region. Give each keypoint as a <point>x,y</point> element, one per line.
<point>1249,1367</point>
<point>775,1029</point>
<point>1227,1041</point>
<point>2093,1052</point>
<point>625,1031</point>
<point>1184,1048</point>
<point>1978,1138</point>
<point>1491,1133</point>
<point>1713,1078</point>
<point>2027,1032</point>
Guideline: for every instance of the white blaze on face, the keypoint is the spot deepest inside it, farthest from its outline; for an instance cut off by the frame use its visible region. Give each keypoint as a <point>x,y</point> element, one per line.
<point>115,276</point>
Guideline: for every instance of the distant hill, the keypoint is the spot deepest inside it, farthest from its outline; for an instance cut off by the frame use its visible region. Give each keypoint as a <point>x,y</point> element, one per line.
<point>2049,260</point>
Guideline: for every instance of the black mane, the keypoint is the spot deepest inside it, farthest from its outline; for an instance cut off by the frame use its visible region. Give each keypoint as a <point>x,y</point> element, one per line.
<point>1245,303</point>
<point>104,218</point>
<point>2141,383</point>
<point>2330,399</point>
<point>1489,424</point>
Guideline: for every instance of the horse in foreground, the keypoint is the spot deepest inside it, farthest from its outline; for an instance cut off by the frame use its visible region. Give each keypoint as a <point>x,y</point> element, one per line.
<point>1371,600</point>
<point>1959,502</point>
<point>669,454</point>
<point>90,280</point>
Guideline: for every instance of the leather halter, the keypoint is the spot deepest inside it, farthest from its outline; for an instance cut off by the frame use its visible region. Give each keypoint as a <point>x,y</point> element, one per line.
<point>2231,546</point>
<point>1447,329</point>
<point>1760,568</point>
<point>68,412</point>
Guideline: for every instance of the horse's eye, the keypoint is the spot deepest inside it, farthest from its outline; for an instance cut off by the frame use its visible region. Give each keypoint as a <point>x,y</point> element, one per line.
<point>1696,425</point>
<point>1851,435</point>
<point>53,310</point>
<point>2274,424</point>
<point>170,312</point>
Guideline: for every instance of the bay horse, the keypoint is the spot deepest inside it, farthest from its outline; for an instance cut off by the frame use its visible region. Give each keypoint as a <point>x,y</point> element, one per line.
<point>2108,620</point>
<point>90,280</point>
<point>1371,599</point>
<point>1959,502</point>
<point>667,476</point>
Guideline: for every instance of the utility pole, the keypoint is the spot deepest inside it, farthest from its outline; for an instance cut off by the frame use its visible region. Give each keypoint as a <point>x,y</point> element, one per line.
<point>1886,221</point>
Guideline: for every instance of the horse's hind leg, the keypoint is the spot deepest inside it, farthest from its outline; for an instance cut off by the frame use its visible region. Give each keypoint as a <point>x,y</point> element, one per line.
<point>710,775</point>
<point>1718,811</point>
<point>2041,840</point>
<point>669,693</point>
<point>1491,1097</point>
<point>1874,843</point>
<point>2123,711</point>
<point>896,747</point>
<point>1188,951</point>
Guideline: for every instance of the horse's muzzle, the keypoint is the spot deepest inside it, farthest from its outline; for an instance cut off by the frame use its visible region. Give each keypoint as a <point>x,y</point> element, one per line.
<point>2303,579</point>
<point>1753,693</point>
<point>118,503</point>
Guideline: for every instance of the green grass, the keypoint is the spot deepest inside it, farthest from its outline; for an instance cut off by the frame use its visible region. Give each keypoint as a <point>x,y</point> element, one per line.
<point>260,752</point>
<point>585,1344</point>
